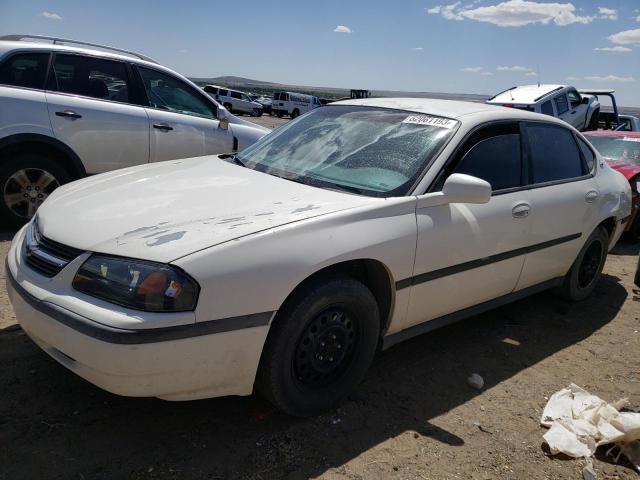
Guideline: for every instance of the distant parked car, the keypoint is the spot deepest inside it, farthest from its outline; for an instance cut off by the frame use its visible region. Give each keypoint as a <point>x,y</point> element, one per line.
<point>234,100</point>
<point>293,104</point>
<point>562,101</point>
<point>67,112</point>
<point>266,103</point>
<point>285,268</point>
<point>621,150</point>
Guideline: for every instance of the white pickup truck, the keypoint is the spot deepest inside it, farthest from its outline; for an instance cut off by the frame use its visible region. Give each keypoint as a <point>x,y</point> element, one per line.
<point>580,109</point>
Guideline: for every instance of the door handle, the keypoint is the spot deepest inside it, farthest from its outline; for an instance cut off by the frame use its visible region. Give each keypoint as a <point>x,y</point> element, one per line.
<point>68,114</point>
<point>521,210</point>
<point>591,196</point>
<point>163,126</point>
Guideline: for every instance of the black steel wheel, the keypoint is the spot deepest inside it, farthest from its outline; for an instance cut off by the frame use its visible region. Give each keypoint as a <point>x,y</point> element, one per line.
<point>320,346</point>
<point>585,272</point>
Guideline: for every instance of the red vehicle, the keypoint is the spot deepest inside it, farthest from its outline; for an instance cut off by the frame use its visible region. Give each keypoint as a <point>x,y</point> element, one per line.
<point>621,150</point>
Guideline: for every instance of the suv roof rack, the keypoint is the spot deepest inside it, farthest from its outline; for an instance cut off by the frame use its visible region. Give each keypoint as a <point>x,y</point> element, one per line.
<point>56,40</point>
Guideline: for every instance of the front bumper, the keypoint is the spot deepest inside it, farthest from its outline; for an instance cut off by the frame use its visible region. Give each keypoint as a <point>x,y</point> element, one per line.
<point>186,362</point>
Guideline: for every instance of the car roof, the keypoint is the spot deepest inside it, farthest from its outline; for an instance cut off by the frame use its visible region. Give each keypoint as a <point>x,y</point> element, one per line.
<point>455,109</point>
<point>526,94</point>
<point>611,133</point>
<point>7,46</point>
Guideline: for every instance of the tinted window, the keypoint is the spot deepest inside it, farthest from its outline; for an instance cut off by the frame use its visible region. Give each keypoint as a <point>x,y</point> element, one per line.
<point>223,92</point>
<point>587,154</point>
<point>168,93</point>
<point>91,77</point>
<point>209,89</point>
<point>237,95</point>
<point>493,154</point>
<point>25,70</point>
<point>574,98</point>
<point>547,108</point>
<point>554,153</point>
<point>561,104</point>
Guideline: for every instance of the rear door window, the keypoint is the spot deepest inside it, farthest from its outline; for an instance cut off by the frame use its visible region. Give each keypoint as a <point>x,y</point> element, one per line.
<point>562,106</point>
<point>27,70</point>
<point>493,154</point>
<point>91,77</point>
<point>236,95</point>
<point>554,153</point>
<point>547,108</point>
<point>223,92</point>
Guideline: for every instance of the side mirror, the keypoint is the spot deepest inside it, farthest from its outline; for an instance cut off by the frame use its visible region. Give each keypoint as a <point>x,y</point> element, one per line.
<point>223,120</point>
<point>458,188</point>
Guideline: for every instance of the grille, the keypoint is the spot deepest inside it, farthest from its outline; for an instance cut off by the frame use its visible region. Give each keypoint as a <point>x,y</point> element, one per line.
<point>44,255</point>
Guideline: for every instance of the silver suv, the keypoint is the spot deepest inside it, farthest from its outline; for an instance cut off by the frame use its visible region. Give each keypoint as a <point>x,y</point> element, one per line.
<point>67,112</point>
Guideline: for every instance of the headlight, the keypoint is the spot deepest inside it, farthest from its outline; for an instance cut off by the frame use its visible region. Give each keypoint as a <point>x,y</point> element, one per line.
<point>137,284</point>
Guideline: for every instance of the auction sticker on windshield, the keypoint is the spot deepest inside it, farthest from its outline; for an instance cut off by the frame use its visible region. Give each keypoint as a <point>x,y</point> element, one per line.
<point>430,121</point>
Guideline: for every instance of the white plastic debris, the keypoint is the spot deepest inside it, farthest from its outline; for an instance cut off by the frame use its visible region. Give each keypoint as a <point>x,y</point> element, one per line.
<point>579,422</point>
<point>476,381</point>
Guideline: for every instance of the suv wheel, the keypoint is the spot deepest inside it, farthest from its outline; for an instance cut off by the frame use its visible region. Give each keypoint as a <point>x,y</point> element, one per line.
<point>25,182</point>
<point>257,112</point>
<point>295,113</point>
<point>585,271</point>
<point>320,346</point>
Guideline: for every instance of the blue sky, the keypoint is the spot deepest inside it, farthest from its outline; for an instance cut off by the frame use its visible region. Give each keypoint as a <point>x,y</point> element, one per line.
<point>469,46</point>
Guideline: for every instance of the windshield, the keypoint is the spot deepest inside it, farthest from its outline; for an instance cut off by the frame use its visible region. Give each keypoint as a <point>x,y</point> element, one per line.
<point>624,149</point>
<point>366,150</point>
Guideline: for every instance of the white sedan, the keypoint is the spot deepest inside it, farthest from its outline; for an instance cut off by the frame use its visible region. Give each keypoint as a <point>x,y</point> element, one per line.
<point>285,268</point>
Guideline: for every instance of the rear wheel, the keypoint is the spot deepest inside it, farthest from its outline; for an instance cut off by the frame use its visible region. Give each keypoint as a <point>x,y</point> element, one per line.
<point>585,271</point>
<point>320,346</point>
<point>256,112</point>
<point>25,182</point>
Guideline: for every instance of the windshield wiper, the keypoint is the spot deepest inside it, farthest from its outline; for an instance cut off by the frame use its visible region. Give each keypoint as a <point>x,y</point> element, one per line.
<point>236,160</point>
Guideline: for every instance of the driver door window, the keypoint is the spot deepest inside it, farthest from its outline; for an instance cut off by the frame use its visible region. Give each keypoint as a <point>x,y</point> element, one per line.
<point>167,93</point>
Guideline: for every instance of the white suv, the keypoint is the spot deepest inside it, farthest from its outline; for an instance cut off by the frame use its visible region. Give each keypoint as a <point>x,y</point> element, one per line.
<point>562,101</point>
<point>234,100</point>
<point>68,112</point>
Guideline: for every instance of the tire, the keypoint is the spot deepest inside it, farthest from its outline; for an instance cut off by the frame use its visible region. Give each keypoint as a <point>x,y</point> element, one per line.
<point>30,176</point>
<point>279,114</point>
<point>295,113</point>
<point>585,272</point>
<point>256,112</point>
<point>228,107</point>
<point>319,347</point>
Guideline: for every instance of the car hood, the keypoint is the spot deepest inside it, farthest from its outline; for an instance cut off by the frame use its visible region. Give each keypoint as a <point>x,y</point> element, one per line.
<point>166,210</point>
<point>629,170</point>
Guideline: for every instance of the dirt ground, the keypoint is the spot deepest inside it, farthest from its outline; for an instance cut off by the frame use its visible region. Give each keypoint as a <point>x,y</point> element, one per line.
<point>414,417</point>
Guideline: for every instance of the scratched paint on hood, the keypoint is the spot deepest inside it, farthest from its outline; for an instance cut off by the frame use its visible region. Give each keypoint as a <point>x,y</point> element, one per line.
<point>166,210</point>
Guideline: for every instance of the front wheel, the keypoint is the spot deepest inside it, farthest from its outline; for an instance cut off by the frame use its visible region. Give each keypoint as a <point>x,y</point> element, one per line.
<point>586,269</point>
<point>25,182</point>
<point>256,112</point>
<point>320,346</point>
